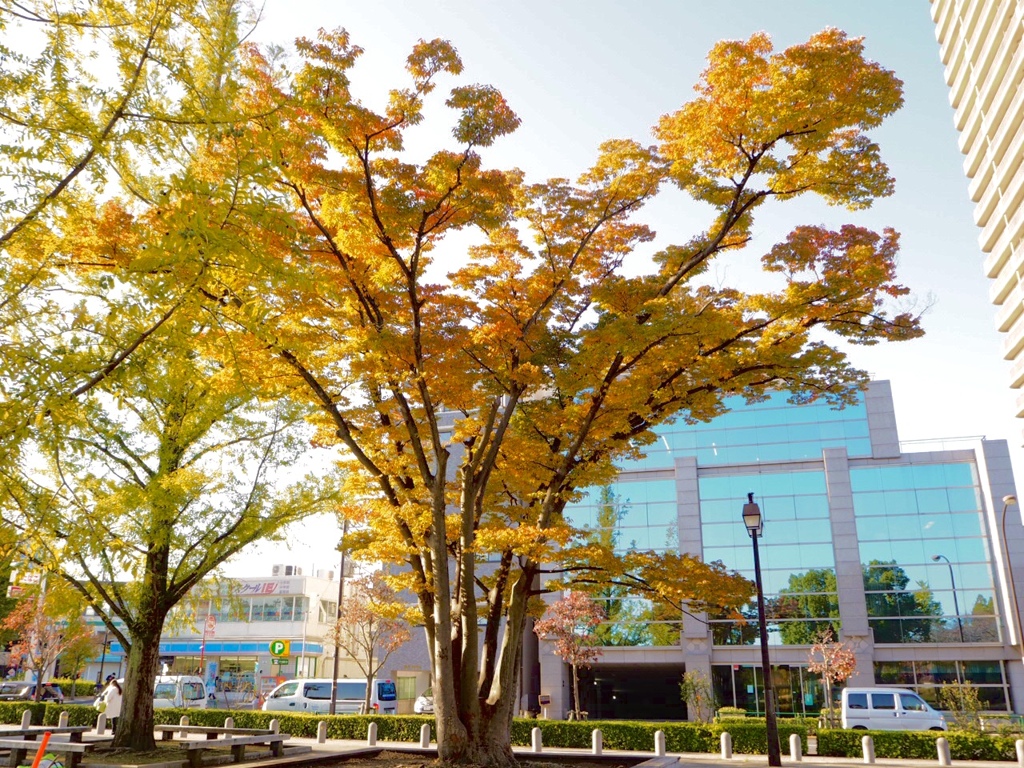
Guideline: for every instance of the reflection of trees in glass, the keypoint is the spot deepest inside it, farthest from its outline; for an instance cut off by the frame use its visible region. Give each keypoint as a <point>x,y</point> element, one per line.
<point>887,596</point>
<point>810,595</point>
<point>735,632</point>
<point>980,626</point>
<point>628,620</point>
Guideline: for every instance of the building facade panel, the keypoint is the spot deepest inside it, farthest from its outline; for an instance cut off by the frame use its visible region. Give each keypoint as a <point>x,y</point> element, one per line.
<point>981,45</point>
<point>898,553</point>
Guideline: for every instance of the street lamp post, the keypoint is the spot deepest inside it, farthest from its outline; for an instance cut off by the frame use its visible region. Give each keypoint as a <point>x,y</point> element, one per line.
<point>1007,501</point>
<point>103,657</point>
<point>755,524</point>
<point>956,603</point>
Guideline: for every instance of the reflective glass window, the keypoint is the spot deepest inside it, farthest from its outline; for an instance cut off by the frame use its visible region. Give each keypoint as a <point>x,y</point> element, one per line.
<point>883,701</point>
<point>925,553</point>
<point>770,430</point>
<point>912,703</point>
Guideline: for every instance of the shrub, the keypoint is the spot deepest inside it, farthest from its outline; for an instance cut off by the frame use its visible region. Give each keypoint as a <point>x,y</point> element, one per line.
<point>80,687</point>
<point>78,714</point>
<point>963,705</point>
<point>698,693</point>
<point>10,711</point>
<point>917,745</point>
<point>748,734</point>
<point>751,735</point>
<point>731,712</point>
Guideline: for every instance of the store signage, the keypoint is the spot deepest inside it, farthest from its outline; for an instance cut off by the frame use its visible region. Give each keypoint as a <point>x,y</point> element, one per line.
<point>280,647</point>
<point>264,588</point>
<point>211,626</point>
<point>279,662</point>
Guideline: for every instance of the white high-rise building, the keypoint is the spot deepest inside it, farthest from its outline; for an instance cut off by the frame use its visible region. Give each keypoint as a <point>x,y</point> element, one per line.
<point>981,47</point>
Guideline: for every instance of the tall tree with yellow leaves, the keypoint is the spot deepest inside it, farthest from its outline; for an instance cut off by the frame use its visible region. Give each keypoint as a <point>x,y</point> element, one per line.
<point>135,457</point>
<point>473,407</point>
<point>171,467</point>
<point>103,108</point>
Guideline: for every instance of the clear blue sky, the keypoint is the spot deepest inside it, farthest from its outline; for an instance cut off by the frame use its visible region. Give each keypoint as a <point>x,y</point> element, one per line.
<point>583,71</point>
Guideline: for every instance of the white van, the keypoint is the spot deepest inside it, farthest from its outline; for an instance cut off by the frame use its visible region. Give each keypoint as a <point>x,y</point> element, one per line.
<point>181,691</point>
<point>889,709</point>
<point>175,691</point>
<point>315,696</point>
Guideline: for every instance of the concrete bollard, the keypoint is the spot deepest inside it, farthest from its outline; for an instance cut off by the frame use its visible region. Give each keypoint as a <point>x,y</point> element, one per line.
<point>184,720</point>
<point>62,721</point>
<point>726,741</point>
<point>796,752</point>
<point>229,722</point>
<point>321,732</point>
<point>867,744</point>
<point>536,741</point>
<point>101,724</point>
<point>1020,752</point>
<point>942,747</point>
<point>275,726</point>
<point>371,735</point>
<point>26,720</point>
<point>659,743</point>
<point>596,741</point>
<point>425,736</point>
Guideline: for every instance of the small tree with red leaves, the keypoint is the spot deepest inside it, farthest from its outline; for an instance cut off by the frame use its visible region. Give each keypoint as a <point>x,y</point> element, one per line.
<point>45,625</point>
<point>834,661</point>
<point>570,627</point>
<point>371,626</point>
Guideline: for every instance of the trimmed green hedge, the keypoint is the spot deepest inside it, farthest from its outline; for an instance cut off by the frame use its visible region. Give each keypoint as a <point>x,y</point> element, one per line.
<point>80,687</point>
<point>389,727</point>
<point>10,711</point>
<point>748,735</point>
<point>917,745</point>
<point>78,714</point>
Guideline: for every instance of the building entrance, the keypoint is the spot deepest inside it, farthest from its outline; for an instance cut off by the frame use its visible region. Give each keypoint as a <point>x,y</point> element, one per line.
<point>610,692</point>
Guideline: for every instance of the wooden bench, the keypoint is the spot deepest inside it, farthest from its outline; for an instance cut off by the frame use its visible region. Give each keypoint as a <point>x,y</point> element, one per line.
<point>195,749</point>
<point>74,732</point>
<point>212,731</point>
<point>21,747</point>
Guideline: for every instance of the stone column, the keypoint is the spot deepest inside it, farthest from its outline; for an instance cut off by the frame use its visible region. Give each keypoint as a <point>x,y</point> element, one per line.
<point>853,609</point>
<point>996,481</point>
<point>696,636</point>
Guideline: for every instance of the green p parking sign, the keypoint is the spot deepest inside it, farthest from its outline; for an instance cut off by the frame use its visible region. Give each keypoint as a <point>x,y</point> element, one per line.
<point>279,647</point>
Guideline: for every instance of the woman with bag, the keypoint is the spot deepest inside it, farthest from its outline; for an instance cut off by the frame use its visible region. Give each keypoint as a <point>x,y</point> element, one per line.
<point>110,702</point>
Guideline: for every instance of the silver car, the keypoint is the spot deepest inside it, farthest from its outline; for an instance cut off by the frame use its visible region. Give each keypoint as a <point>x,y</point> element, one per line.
<point>424,704</point>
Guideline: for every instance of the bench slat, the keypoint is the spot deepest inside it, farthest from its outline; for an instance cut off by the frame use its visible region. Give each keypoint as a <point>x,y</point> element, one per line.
<point>264,738</point>
<point>55,746</point>
<point>167,731</point>
<point>21,747</point>
<point>194,749</point>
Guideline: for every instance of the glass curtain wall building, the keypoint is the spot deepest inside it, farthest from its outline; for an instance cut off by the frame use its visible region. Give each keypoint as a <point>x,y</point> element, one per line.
<point>898,553</point>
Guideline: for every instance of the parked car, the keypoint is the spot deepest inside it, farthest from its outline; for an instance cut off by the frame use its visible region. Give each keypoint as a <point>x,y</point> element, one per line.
<point>424,704</point>
<point>22,690</point>
<point>315,696</point>
<point>180,691</point>
<point>889,709</point>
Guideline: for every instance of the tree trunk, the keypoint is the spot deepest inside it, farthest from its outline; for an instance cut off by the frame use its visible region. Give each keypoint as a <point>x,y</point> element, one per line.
<point>488,742</point>
<point>369,683</point>
<point>480,735</point>
<point>135,725</point>
<point>576,691</point>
